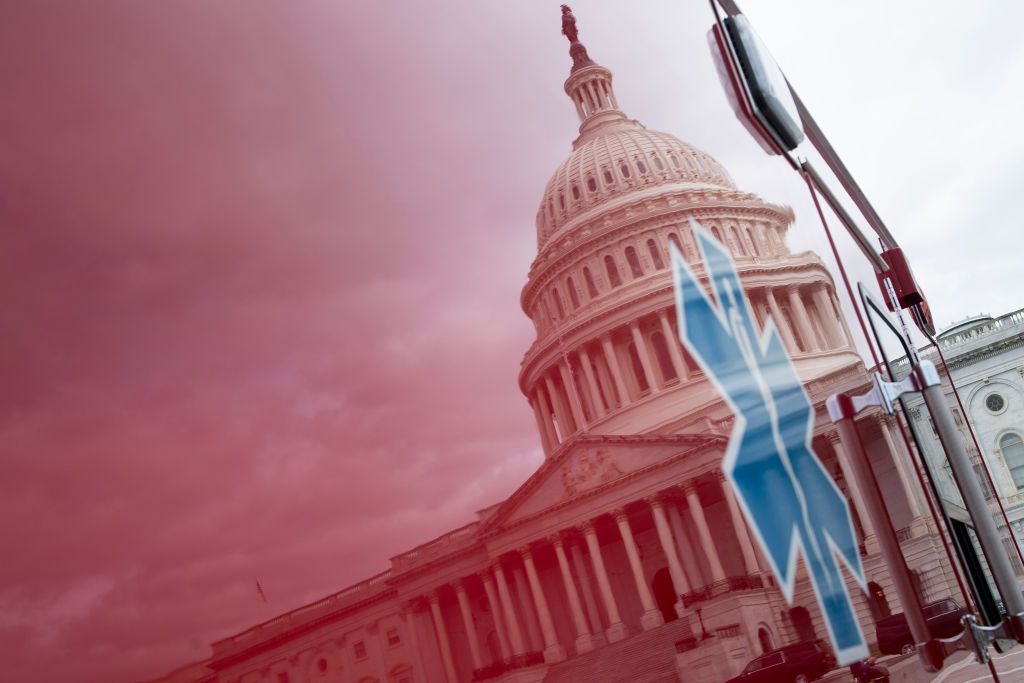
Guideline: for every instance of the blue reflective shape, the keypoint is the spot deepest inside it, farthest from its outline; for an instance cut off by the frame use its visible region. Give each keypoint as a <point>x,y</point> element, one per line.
<point>790,502</point>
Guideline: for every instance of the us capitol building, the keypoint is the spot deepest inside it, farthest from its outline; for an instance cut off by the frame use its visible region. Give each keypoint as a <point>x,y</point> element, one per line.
<point>624,557</point>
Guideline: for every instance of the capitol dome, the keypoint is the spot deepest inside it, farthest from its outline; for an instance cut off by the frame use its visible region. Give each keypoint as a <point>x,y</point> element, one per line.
<point>616,159</point>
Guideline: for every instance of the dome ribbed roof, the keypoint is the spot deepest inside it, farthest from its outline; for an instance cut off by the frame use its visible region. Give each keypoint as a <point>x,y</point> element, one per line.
<point>622,158</point>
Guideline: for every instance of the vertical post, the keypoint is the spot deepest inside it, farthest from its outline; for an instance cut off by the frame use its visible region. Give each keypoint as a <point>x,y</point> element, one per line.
<point>974,501</point>
<point>668,546</point>
<point>931,653</point>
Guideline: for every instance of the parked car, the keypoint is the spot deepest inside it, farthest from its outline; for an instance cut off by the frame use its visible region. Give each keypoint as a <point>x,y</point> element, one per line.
<point>798,663</point>
<point>943,619</point>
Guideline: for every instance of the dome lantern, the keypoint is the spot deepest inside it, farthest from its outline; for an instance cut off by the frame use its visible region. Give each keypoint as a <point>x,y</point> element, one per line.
<point>589,85</point>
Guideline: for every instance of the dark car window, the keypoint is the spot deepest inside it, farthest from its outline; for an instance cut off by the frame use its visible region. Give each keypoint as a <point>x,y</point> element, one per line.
<point>764,662</point>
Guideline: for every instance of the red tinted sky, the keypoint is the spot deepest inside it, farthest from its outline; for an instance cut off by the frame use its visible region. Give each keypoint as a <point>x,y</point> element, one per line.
<point>260,271</point>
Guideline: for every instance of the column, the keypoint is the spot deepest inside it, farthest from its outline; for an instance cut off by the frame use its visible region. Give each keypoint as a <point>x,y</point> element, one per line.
<point>616,630</point>
<point>801,319</point>
<point>574,399</point>
<point>740,526</point>
<point>780,322</point>
<point>604,378</point>
<point>584,641</point>
<point>595,392</point>
<point>668,546</point>
<point>467,619</point>
<point>706,541</point>
<point>565,428</point>
<point>652,615</point>
<point>685,547</point>
<point>613,365</point>
<point>852,485</point>
<point>515,635</point>
<point>442,637</point>
<point>848,338</point>
<point>587,586</point>
<point>645,357</point>
<point>531,640</point>
<point>543,424</point>
<point>904,467</point>
<point>553,650</point>
<point>408,614</point>
<point>828,315</point>
<point>674,349</point>
<point>496,608</point>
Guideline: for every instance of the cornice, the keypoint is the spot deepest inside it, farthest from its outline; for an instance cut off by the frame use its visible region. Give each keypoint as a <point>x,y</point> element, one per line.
<point>496,525</point>
<point>260,646</point>
<point>986,351</point>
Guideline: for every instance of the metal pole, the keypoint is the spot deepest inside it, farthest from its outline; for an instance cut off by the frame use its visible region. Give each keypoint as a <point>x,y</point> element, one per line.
<point>974,501</point>
<point>931,652</point>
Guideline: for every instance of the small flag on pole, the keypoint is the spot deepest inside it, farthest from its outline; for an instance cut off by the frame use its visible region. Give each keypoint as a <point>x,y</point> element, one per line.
<point>259,591</point>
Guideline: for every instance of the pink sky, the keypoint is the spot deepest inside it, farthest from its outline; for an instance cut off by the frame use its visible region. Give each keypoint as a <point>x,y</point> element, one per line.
<point>261,265</point>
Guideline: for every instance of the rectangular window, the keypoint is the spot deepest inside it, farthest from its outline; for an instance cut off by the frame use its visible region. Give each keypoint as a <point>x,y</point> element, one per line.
<point>360,649</point>
<point>394,639</point>
<point>983,480</point>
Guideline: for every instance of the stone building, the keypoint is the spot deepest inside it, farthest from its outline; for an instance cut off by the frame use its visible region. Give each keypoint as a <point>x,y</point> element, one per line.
<point>985,356</point>
<point>623,557</point>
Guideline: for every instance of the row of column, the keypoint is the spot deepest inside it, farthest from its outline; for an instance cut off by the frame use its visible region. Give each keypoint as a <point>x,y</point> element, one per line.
<point>800,330</point>
<point>565,401</point>
<point>514,635</point>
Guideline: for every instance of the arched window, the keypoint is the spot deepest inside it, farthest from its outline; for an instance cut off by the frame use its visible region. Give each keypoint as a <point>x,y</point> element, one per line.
<point>608,179</point>
<point>613,272</point>
<point>634,263</point>
<point>673,159</point>
<point>674,239</point>
<point>740,249</point>
<point>575,192</point>
<point>1013,453</point>
<point>569,285</point>
<point>591,287</point>
<point>638,368</point>
<point>753,242</point>
<point>558,302</point>
<point>764,639</point>
<point>591,184</point>
<point>658,163</point>
<point>624,169</point>
<point>561,201</point>
<point>718,235</point>
<point>661,352</point>
<point>652,247</point>
<point>641,166</point>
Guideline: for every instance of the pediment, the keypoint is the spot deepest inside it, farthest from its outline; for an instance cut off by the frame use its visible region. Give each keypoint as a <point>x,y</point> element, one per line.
<point>589,464</point>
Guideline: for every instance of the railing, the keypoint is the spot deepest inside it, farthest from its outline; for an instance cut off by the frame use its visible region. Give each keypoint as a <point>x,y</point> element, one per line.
<point>713,590</point>
<point>283,622</point>
<point>1005,322</point>
<point>439,546</point>
<point>496,669</point>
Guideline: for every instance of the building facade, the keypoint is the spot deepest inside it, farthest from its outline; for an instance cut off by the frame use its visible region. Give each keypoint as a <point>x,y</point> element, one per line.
<point>624,557</point>
<point>985,357</point>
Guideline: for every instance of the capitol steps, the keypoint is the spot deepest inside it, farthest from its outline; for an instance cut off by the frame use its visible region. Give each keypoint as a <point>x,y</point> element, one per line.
<point>646,657</point>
